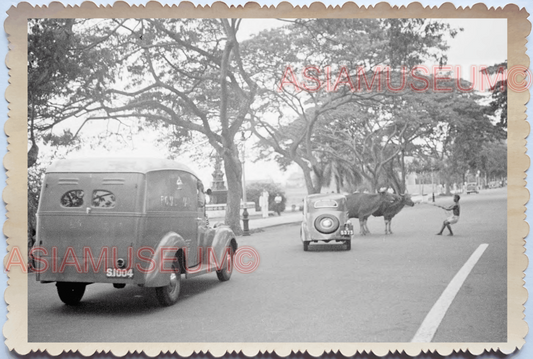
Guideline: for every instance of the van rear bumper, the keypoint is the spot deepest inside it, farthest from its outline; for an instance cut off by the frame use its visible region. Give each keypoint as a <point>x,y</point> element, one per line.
<point>47,270</point>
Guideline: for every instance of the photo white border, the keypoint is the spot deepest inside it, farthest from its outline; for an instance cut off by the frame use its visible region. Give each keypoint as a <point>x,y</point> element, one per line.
<point>516,160</point>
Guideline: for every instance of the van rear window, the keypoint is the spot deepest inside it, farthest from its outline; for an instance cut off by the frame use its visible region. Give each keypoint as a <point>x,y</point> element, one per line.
<point>73,198</point>
<point>103,199</point>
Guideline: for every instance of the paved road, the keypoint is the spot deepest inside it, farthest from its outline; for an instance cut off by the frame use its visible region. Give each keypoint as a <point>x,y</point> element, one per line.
<point>380,291</point>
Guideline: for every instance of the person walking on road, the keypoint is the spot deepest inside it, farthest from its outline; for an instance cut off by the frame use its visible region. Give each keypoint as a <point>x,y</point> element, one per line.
<point>278,200</point>
<point>453,218</point>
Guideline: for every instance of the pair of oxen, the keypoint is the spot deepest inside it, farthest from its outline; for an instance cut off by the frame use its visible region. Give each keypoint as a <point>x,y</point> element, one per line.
<point>384,204</point>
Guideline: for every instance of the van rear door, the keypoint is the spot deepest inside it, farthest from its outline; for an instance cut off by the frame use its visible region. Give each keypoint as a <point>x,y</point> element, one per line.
<point>86,221</point>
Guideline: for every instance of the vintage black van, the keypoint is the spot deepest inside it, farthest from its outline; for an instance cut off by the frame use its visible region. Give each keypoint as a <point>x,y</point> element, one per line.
<point>126,221</point>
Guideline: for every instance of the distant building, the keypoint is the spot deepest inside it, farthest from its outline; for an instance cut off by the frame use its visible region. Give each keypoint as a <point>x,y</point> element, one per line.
<point>295,190</point>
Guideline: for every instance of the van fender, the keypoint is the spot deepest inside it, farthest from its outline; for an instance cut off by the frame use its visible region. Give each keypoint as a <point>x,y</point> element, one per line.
<point>167,248</point>
<point>222,238</point>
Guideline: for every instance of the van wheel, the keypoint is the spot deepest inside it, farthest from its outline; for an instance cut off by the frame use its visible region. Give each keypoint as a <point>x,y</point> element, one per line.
<point>306,246</point>
<point>169,294</point>
<point>348,245</point>
<point>70,293</point>
<point>225,273</point>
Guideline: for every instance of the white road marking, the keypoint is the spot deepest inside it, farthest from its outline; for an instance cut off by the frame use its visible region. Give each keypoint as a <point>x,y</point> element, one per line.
<point>432,321</point>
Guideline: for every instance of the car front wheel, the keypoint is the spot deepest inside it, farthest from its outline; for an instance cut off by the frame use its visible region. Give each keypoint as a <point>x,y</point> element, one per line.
<point>70,293</point>
<point>168,295</point>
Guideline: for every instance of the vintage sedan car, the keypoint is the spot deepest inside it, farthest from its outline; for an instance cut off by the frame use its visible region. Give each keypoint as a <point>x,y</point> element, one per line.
<point>326,219</point>
<point>126,221</point>
<point>471,187</point>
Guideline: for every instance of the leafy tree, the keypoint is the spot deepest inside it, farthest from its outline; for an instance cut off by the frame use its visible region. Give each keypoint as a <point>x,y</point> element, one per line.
<point>493,160</point>
<point>66,62</point>
<point>288,116</point>
<point>181,76</point>
<point>461,129</point>
<point>498,104</point>
<point>188,74</point>
<point>49,43</point>
<point>443,129</point>
<point>365,138</point>
<point>35,174</point>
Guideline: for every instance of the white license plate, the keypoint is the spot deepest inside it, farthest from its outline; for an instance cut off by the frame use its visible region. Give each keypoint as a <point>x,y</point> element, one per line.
<point>346,232</point>
<point>119,273</point>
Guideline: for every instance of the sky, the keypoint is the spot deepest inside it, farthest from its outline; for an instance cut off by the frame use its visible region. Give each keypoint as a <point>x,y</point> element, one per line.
<point>482,41</point>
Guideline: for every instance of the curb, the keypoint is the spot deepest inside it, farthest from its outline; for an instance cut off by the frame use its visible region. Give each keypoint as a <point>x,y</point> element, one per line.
<point>277,224</point>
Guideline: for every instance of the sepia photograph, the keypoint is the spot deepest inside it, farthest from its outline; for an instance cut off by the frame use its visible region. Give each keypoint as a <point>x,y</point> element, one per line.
<point>297,179</point>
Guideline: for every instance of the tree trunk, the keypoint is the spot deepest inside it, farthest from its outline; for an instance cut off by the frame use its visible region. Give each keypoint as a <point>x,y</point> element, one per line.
<point>308,177</point>
<point>403,188</point>
<point>374,183</point>
<point>395,182</point>
<point>233,169</point>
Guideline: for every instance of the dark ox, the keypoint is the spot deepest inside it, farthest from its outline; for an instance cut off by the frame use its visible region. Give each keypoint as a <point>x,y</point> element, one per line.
<point>389,209</point>
<point>362,205</point>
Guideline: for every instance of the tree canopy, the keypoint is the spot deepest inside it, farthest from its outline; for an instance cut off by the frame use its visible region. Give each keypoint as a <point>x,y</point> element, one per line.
<point>351,113</point>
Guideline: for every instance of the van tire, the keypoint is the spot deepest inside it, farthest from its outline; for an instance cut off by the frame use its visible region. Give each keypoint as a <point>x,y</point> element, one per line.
<point>224,274</point>
<point>306,246</point>
<point>70,293</point>
<point>348,245</point>
<point>168,295</point>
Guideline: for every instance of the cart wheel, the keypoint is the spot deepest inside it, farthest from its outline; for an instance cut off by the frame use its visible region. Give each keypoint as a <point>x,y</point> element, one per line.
<point>225,274</point>
<point>348,245</point>
<point>169,294</point>
<point>306,246</point>
<point>70,293</point>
